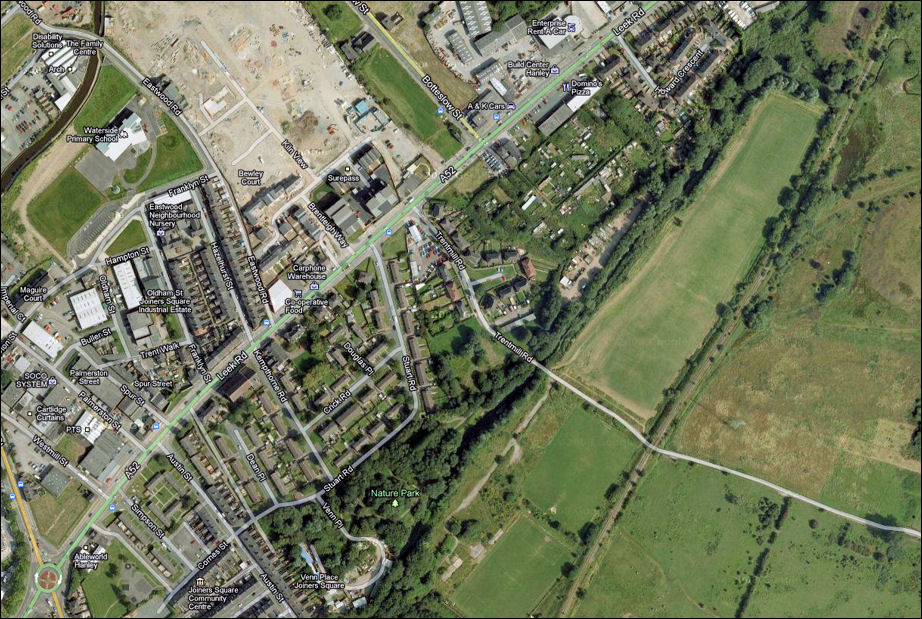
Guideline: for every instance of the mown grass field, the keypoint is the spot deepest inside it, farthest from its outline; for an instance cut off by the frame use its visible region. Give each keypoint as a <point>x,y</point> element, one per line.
<point>586,456</point>
<point>175,158</point>
<point>695,531</point>
<point>821,566</point>
<point>637,342</point>
<point>132,236</point>
<point>111,93</point>
<point>56,516</point>
<point>338,23</point>
<point>517,572</point>
<point>16,40</point>
<point>62,207</point>
<point>404,100</point>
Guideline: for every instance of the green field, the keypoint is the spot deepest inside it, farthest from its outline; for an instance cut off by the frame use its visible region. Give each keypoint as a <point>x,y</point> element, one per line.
<point>109,595</point>
<point>132,236</point>
<point>56,516</point>
<point>512,579</point>
<point>175,158</point>
<point>63,206</point>
<point>821,566</point>
<point>111,93</point>
<point>696,529</point>
<point>338,21</point>
<point>16,42</point>
<point>136,173</point>
<point>817,398</point>
<point>451,340</point>
<point>687,545</point>
<point>657,320</point>
<point>404,100</point>
<point>585,457</point>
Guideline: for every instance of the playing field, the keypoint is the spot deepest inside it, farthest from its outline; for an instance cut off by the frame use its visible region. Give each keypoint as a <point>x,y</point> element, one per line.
<point>516,573</point>
<point>63,206</point>
<point>637,342</point>
<point>586,456</point>
<point>111,93</point>
<point>404,100</point>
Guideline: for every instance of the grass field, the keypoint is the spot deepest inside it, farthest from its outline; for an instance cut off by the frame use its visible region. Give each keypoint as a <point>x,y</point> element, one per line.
<point>817,399</point>
<point>339,22</point>
<point>63,206</point>
<point>102,589</point>
<point>110,94</point>
<point>16,42</point>
<point>136,173</point>
<point>56,516</point>
<point>132,236</point>
<point>450,340</point>
<point>893,101</point>
<point>637,342</point>
<point>413,39</point>
<point>70,448</point>
<point>404,100</point>
<point>686,546</point>
<point>585,457</point>
<point>175,158</point>
<point>845,17</point>
<point>822,567</point>
<point>695,531</point>
<point>517,572</point>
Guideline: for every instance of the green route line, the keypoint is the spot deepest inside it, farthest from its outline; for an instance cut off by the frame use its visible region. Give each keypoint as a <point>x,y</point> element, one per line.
<point>514,117</point>
<point>31,604</point>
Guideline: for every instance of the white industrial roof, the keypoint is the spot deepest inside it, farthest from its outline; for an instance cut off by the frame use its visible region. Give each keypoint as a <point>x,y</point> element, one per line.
<point>41,338</point>
<point>88,308</point>
<point>128,283</point>
<point>166,198</point>
<point>131,133</point>
<point>579,100</point>
<point>553,40</point>
<point>92,426</point>
<point>278,292</point>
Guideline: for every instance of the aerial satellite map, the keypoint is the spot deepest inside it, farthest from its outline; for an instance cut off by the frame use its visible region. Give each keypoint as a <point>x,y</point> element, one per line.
<point>461,309</point>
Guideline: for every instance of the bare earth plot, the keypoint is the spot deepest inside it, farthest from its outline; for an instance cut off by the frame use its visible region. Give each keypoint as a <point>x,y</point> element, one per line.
<point>637,342</point>
<point>274,54</point>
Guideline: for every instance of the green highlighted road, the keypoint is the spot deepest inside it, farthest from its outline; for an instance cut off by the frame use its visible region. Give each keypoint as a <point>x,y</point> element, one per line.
<point>513,118</point>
